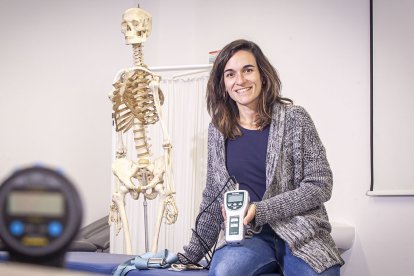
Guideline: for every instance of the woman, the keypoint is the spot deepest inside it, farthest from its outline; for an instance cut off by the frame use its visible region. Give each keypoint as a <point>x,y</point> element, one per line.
<point>273,150</point>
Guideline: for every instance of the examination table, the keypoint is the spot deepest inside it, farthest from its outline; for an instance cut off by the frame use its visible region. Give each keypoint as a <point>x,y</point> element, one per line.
<point>105,263</point>
<point>101,262</point>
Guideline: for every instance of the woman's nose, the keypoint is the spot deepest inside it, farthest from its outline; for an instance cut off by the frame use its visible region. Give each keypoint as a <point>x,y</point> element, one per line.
<point>240,78</point>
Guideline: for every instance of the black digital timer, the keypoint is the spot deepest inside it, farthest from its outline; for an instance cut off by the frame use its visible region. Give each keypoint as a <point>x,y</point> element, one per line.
<point>40,214</point>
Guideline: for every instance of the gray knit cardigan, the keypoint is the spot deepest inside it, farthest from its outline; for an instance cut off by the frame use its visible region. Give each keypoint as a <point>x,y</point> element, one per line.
<point>298,182</point>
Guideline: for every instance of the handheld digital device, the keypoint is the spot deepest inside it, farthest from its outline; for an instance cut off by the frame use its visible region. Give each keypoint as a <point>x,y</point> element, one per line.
<point>40,215</point>
<point>236,204</point>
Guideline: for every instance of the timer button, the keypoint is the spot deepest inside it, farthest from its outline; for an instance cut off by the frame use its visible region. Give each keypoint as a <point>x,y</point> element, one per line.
<point>55,228</point>
<point>16,228</point>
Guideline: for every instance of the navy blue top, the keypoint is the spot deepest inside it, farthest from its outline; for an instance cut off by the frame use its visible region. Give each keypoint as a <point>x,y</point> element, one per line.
<point>246,161</point>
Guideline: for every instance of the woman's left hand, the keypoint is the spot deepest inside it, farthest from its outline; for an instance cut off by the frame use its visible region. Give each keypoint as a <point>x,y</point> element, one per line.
<point>251,213</point>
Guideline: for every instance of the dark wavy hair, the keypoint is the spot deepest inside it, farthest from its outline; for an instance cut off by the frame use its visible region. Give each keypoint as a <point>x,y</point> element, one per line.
<point>222,109</point>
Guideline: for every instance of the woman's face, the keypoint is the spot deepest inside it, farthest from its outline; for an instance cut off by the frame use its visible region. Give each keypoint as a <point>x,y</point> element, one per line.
<point>242,80</point>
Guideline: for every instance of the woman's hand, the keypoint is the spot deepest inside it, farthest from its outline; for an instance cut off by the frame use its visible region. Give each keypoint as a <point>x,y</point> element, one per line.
<point>251,213</point>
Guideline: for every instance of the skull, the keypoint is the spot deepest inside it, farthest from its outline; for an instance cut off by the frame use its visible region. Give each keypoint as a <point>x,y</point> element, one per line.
<point>136,25</point>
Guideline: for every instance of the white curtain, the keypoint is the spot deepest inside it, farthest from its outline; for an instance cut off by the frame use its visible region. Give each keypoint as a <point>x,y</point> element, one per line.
<point>185,114</point>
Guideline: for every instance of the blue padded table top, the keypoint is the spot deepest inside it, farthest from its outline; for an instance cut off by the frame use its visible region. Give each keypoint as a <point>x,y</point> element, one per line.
<point>105,263</point>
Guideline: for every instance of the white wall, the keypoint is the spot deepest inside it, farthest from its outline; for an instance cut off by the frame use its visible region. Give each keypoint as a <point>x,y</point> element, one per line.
<point>320,48</point>
<point>57,62</point>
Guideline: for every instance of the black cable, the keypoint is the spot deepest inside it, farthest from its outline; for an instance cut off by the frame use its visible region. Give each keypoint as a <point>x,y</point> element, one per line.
<point>210,252</point>
<point>203,243</point>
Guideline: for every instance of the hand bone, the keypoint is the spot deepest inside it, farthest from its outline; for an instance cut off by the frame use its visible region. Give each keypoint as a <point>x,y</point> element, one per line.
<point>114,216</point>
<point>171,211</point>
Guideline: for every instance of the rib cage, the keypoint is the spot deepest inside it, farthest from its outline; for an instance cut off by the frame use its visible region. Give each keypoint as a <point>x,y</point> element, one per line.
<point>133,98</point>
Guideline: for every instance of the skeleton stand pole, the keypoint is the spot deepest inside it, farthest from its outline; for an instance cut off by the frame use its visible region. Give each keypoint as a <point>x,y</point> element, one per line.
<point>146,223</point>
<point>145,204</point>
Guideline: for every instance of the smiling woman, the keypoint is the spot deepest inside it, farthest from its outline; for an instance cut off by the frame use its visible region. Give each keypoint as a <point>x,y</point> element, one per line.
<point>273,150</point>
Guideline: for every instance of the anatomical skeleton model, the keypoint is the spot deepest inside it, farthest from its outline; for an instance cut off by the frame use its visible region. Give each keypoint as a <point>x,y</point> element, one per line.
<point>137,102</point>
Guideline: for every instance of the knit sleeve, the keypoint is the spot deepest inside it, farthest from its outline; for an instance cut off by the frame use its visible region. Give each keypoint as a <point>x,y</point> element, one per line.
<point>305,173</point>
<point>209,220</point>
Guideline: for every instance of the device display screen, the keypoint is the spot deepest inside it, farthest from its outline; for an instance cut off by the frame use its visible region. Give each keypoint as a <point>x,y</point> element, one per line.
<point>28,203</point>
<point>234,198</point>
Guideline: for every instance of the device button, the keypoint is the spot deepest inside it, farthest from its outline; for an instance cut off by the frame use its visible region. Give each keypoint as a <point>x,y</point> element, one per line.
<point>16,228</point>
<point>55,228</point>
